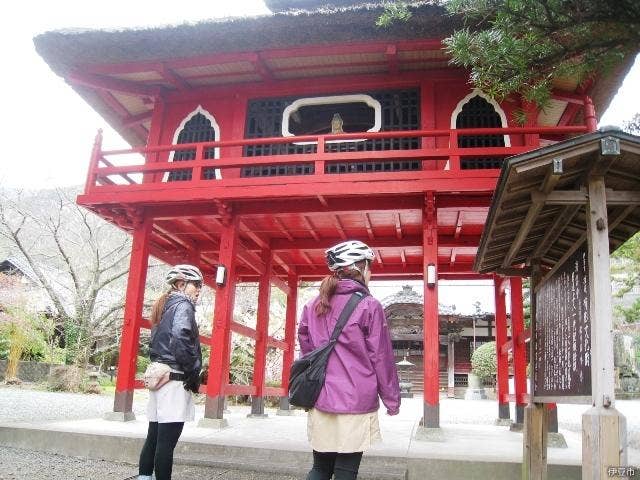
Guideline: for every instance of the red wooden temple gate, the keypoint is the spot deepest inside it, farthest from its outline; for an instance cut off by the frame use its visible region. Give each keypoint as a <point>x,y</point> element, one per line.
<point>256,158</point>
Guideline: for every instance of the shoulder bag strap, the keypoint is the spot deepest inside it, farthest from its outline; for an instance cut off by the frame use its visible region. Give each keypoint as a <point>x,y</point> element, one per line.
<point>346,313</point>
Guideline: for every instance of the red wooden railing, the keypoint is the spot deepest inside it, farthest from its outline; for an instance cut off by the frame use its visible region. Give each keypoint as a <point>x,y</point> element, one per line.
<point>103,172</point>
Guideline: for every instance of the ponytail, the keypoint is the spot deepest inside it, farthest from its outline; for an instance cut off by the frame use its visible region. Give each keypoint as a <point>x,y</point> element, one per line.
<point>158,308</point>
<point>330,284</point>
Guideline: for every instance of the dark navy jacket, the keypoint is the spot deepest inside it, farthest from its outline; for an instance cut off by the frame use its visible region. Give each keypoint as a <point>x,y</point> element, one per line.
<point>175,341</point>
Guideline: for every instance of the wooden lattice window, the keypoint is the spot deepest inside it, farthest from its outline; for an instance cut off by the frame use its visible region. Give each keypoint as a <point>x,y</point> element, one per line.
<point>197,129</point>
<point>400,110</point>
<point>479,113</point>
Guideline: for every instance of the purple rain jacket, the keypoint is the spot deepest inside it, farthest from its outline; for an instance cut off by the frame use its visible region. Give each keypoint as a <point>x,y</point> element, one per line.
<point>362,365</point>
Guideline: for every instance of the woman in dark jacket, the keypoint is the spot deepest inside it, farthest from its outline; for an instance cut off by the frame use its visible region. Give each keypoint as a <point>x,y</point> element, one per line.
<point>175,342</point>
<point>361,368</point>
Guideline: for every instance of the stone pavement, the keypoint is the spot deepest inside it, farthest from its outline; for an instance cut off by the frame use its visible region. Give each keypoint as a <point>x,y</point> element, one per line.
<point>470,447</point>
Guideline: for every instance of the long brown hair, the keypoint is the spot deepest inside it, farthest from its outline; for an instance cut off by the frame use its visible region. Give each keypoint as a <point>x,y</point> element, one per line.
<point>330,284</point>
<point>158,307</point>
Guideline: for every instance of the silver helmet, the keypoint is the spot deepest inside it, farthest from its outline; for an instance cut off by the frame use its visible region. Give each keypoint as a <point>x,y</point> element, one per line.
<point>188,273</point>
<point>347,253</point>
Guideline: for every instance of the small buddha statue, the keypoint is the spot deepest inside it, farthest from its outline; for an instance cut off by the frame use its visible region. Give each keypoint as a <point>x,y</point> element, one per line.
<point>336,124</point>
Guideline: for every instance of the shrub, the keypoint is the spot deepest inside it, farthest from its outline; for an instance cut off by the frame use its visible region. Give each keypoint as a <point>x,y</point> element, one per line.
<point>483,361</point>
<point>142,364</point>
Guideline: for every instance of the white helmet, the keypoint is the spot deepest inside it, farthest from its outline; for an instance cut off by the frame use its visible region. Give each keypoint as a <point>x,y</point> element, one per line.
<point>347,253</point>
<point>188,273</point>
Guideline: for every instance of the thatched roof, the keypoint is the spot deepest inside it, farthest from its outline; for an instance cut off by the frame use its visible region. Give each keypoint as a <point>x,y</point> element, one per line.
<point>217,53</point>
<point>66,50</point>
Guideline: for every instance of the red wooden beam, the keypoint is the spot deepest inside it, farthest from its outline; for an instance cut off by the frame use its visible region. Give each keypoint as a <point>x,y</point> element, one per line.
<point>170,76</point>
<point>446,241</point>
<point>369,227</point>
<point>110,84</point>
<point>311,228</point>
<point>231,389</point>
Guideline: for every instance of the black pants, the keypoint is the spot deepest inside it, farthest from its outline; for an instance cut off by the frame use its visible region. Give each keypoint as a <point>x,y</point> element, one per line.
<point>344,466</point>
<point>157,452</point>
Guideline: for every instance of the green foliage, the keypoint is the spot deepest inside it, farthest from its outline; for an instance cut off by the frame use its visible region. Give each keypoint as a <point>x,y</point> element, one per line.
<point>626,267</point>
<point>397,11</point>
<point>142,362</point>
<point>522,46</point>
<point>241,364</point>
<point>484,362</point>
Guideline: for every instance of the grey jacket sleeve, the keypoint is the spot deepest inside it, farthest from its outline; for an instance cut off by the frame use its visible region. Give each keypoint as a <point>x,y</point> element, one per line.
<point>184,339</point>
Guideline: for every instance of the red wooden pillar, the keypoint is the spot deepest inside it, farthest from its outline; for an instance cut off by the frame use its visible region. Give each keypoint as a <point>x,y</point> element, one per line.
<point>431,418</point>
<point>222,315</point>
<point>590,114</point>
<point>154,139</point>
<point>502,383</point>
<point>262,334</point>
<point>129,342</point>
<point>519,349</point>
<point>289,337</point>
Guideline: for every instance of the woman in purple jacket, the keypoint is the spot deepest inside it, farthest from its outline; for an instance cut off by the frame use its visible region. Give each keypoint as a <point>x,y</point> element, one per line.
<point>361,368</point>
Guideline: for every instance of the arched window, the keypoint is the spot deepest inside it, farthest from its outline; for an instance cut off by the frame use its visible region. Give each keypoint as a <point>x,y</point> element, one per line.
<point>476,111</point>
<point>198,126</point>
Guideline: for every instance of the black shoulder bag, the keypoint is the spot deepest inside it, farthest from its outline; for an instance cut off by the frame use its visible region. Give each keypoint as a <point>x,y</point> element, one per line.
<point>308,372</point>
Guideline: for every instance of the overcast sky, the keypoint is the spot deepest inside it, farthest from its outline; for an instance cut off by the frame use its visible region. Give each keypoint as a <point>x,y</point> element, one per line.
<point>48,130</point>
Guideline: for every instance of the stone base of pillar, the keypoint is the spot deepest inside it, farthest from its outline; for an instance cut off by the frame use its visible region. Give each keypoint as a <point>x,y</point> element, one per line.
<point>285,413</point>
<point>451,393</point>
<point>257,415</point>
<point>556,440</point>
<point>516,427</point>
<point>520,413</point>
<point>604,441</point>
<point>504,415</point>
<point>215,423</point>
<point>431,416</point>
<point>120,416</point>
<point>503,422</point>
<point>429,434</point>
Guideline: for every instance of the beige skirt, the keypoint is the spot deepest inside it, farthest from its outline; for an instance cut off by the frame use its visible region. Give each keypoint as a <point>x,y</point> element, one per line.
<point>342,432</point>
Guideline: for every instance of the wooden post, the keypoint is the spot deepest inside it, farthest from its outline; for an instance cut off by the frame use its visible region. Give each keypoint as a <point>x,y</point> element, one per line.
<point>221,336</point>
<point>129,342</point>
<point>262,333</point>
<point>290,339</point>
<point>534,465</point>
<point>534,454</point>
<point>519,352</point>
<point>431,418</point>
<point>502,382</point>
<point>604,436</point>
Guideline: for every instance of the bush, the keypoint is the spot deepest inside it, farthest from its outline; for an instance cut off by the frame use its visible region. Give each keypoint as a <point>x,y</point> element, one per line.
<point>483,361</point>
<point>142,364</point>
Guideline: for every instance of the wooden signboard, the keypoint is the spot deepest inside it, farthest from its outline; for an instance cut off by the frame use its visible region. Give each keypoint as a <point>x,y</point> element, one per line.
<point>562,335</point>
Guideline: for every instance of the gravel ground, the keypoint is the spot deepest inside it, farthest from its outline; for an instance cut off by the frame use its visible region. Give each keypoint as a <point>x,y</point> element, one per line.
<point>19,404</point>
<point>19,464</point>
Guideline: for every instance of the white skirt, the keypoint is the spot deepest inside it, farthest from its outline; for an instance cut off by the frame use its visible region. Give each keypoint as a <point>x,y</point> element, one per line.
<point>171,403</point>
<point>342,432</point>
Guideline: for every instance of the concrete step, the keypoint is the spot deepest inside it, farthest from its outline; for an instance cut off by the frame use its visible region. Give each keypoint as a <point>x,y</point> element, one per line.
<point>369,469</point>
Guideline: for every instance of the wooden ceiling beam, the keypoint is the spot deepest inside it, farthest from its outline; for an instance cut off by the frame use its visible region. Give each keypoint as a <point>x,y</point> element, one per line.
<point>613,223</point>
<point>445,241</point>
<point>339,227</point>
<point>398,225</point>
<point>311,228</point>
<point>100,82</point>
<point>458,225</point>
<point>367,223</point>
<point>282,228</point>
<point>537,204</point>
<point>173,78</point>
